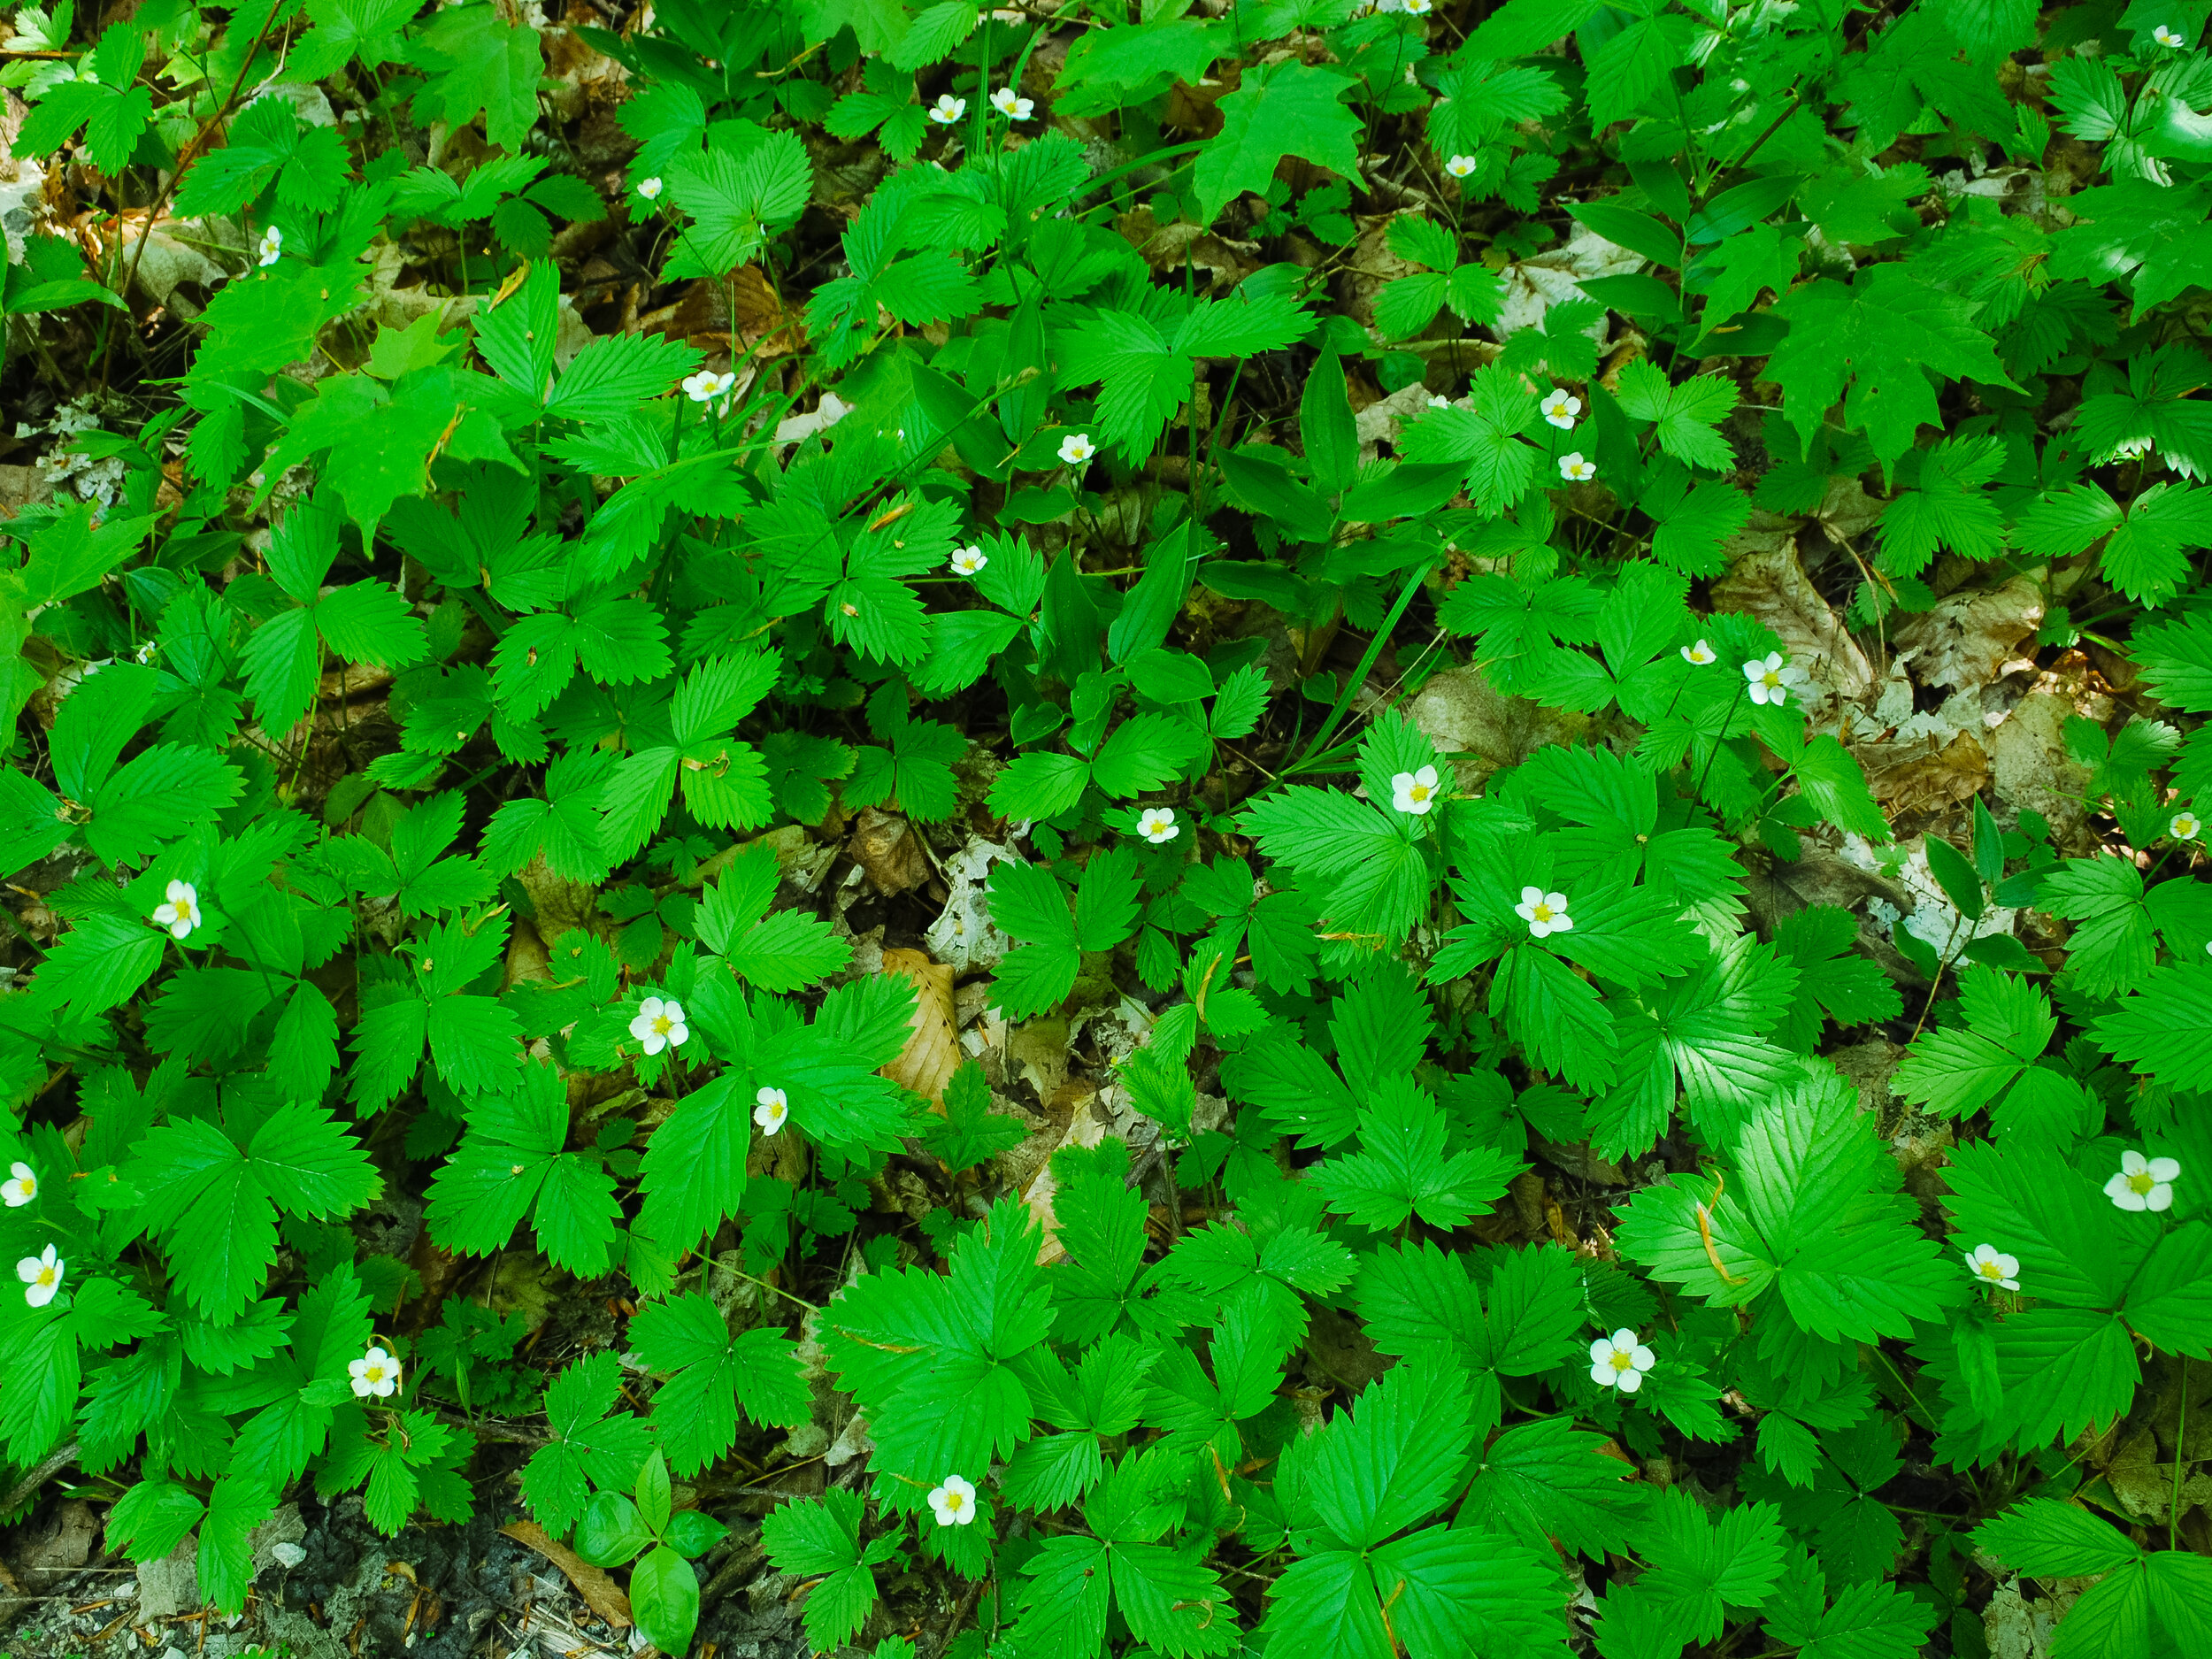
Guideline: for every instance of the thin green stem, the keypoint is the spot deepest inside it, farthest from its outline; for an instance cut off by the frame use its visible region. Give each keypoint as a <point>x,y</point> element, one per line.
<point>1414,579</point>
<point>1698,793</point>
<point>2181,1440</point>
<point>780,1290</point>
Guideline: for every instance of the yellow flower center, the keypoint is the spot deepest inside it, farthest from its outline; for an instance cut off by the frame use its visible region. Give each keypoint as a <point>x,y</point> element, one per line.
<point>1623,1359</point>
<point>1989,1270</point>
<point>375,1374</point>
<point>1543,913</point>
<point>953,1501</point>
<point>46,1275</point>
<point>1419,792</point>
<point>661,1023</point>
<point>2141,1183</point>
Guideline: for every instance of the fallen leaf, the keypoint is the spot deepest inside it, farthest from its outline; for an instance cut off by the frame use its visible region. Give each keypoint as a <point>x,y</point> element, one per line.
<point>1473,723</point>
<point>884,845</point>
<point>1968,637</point>
<point>2029,762</point>
<point>1765,578</point>
<point>1925,776</point>
<point>963,936</point>
<point>1085,1129</point>
<point>749,314</point>
<point>931,1054</point>
<point>597,1589</point>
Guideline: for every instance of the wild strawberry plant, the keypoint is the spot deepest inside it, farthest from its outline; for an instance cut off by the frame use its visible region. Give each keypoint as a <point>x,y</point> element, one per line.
<point>1054,394</point>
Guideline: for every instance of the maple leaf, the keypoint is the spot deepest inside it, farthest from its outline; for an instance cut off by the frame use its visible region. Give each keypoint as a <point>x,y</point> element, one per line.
<point>1881,336</point>
<point>1287,109</point>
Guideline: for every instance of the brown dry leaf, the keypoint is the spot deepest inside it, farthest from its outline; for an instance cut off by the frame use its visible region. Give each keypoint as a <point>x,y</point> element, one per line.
<point>49,1551</point>
<point>887,849</point>
<point>1371,268</point>
<point>21,487</point>
<point>1922,777</point>
<point>597,1589</point>
<point>931,1054</point>
<point>1166,247</point>
<point>751,313</point>
<point>1968,637</point>
<point>1765,578</point>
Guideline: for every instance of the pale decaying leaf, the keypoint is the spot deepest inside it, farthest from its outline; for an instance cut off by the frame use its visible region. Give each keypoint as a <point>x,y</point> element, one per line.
<point>1968,637</point>
<point>1533,285</point>
<point>1379,422</point>
<point>931,1054</point>
<point>823,415</point>
<point>598,1590</point>
<point>1084,1128</point>
<point>1481,729</point>
<point>1933,920</point>
<point>2029,763</point>
<point>962,935</point>
<point>2145,1485</point>
<point>168,263</point>
<point>1766,579</point>
<point>2017,1628</point>
<point>1078,1111</point>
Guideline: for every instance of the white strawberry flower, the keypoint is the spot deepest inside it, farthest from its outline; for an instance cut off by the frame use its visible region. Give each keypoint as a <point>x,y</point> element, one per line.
<point>650,188</point>
<point>1416,8</point>
<point>21,1185</point>
<point>1575,470</point>
<point>1439,400</point>
<point>948,109</point>
<point>1011,105</point>
<point>1560,407</point>
<point>179,913</point>
<point>966,561</point>
<point>1699,655</point>
<point>2185,826</point>
<point>1992,1263</point>
<point>706,386</point>
<point>272,247</point>
<point>2143,1183</point>
<point>1771,677</point>
<point>1619,1360</point>
<point>1077,447</point>
<point>953,1502</point>
<point>376,1372</point>
<point>42,1276</point>
<point>2168,38</point>
<point>1546,913</point>
<point>660,1025</point>
<point>1461,166</point>
<point>770,1109</point>
<point>1414,792</point>
<point>1157,825</point>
